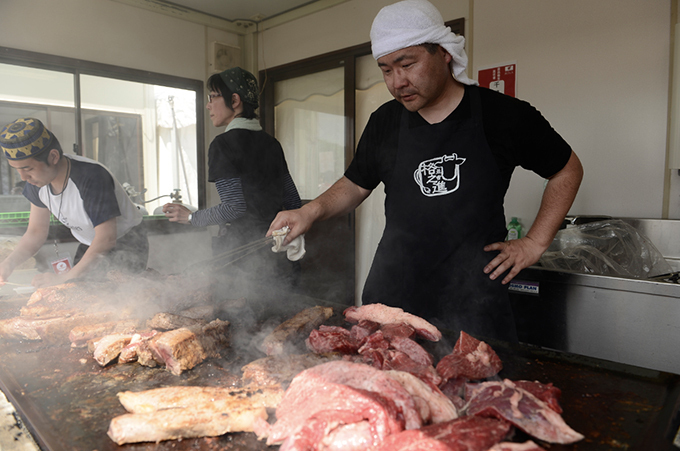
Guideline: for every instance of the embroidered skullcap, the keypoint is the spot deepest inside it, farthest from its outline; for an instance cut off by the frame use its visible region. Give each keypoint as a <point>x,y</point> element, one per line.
<point>243,83</point>
<point>25,138</point>
<point>414,22</point>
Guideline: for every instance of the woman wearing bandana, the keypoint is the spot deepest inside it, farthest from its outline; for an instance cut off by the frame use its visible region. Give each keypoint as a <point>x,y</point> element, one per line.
<point>252,179</point>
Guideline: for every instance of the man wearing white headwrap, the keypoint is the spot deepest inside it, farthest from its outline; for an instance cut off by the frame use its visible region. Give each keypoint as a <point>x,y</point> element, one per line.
<point>415,22</point>
<point>445,150</point>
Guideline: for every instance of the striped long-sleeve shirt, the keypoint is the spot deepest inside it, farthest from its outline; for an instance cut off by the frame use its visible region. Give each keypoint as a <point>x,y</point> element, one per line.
<point>233,204</point>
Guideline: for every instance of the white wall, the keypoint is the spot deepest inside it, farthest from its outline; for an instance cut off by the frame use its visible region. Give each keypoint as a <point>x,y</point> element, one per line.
<point>341,26</point>
<point>598,71</point>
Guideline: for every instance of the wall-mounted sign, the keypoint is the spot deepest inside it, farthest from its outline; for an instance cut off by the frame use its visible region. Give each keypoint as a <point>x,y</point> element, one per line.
<point>501,78</point>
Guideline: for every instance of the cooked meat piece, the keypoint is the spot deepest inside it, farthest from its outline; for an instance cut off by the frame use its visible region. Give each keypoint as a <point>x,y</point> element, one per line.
<point>50,329</point>
<point>179,349</point>
<point>433,405</point>
<point>23,328</point>
<point>214,337</point>
<point>281,370</point>
<point>53,294</point>
<point>382,314</point>
<point>202,312</point>
<point>174,424</point>
<point>507,401</point>
<point>466,433</point>
<point>147,354</point>
<point>108,348</point>
<point>470,358</point>
<point>130,352</point>
<point>294,330</point>
<point>170,321</point>
<point>189,396</point>
<point>80,335</point>
<point>180,412</point>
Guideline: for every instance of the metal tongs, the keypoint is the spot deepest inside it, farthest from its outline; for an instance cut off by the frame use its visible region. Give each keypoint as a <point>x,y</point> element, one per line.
<point>233,255</point>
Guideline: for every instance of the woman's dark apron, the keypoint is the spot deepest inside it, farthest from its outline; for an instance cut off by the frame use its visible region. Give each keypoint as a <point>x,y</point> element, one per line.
<point>444,204</point>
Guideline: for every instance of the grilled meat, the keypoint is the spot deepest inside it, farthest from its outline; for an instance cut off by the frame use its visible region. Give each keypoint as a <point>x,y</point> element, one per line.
<point>108,348</point>
<point>180,412</point>
<point>80,335</point>
<point>173,424</point>
<point>188,396</point>
<point>296,329</point>
<point>170,321</point>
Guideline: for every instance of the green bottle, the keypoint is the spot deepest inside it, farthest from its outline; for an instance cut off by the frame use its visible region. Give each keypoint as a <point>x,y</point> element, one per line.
<point>514,229</point>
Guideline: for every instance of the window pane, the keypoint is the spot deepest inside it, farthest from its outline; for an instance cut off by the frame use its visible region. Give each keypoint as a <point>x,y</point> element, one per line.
<point>45,95</point>
<point>145,134</point>
<point>310,124</point>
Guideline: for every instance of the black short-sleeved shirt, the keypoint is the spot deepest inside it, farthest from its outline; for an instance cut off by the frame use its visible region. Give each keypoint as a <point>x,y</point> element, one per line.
<point>516,132</point>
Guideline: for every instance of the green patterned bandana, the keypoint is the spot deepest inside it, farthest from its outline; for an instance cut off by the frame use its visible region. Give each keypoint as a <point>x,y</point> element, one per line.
<point>243,83</point>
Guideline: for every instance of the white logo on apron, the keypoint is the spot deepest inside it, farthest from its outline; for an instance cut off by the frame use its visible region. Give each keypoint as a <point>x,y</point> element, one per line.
<point>439,176</point>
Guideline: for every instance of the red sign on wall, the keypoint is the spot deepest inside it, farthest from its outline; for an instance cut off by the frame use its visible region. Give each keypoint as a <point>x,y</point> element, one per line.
<point>501,79</point>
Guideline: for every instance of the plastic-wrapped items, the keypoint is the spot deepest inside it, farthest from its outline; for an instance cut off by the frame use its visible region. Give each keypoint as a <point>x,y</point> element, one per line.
<point>611,248</point>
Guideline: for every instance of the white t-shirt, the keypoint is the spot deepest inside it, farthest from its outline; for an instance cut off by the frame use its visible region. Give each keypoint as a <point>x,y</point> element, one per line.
<point>92,196</point>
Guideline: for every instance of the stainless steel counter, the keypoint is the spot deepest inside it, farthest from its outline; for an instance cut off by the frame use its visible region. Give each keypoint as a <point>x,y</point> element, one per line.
<point>631,321</point>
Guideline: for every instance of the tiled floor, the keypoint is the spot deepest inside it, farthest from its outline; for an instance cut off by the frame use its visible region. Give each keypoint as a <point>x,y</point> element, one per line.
<point>13,434</point>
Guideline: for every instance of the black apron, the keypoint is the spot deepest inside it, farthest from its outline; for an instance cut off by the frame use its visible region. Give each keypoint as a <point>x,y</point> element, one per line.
<point>444,204</point>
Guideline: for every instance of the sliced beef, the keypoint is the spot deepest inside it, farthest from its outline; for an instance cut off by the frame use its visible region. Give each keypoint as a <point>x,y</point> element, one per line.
<point>383,315</point>
<point>331,339</point>
<point>433,405</point>
<point>547,393</point>
<point>470,358</point>
<point>519,407</point>
<point>365,377</point>
<point>294,330</point>
<point>301,422</point>
<point>401,330</point>
<point>462,434</point>
<point>409,347</point>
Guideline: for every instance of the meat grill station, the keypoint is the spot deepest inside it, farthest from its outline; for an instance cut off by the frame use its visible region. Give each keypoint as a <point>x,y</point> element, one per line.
<point>67,400</point>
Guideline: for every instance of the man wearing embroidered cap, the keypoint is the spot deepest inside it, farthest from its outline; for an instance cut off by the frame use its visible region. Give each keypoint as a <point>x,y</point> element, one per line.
<point>445,149</point>
<point>80,193</point>
<point>251,175</point>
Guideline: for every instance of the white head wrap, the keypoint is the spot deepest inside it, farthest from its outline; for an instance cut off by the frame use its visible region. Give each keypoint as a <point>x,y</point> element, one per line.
<point>415,22</point>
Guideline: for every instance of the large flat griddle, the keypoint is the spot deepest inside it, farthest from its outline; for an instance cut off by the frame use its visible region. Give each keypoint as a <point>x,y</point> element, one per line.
<point>67,400</point>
